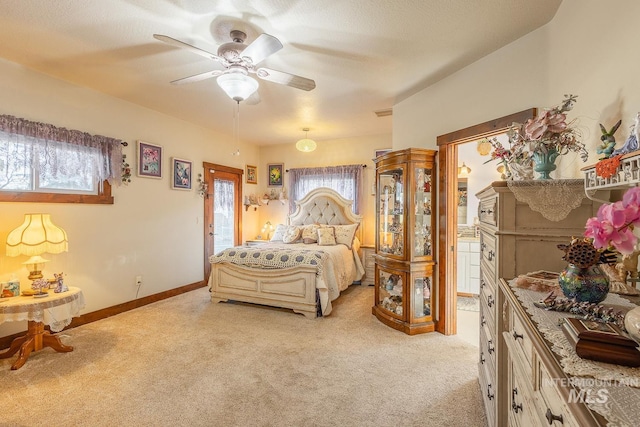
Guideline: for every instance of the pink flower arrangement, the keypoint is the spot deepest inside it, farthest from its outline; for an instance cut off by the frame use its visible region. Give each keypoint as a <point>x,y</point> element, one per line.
<point>614,224</point>
<point>549,130</point>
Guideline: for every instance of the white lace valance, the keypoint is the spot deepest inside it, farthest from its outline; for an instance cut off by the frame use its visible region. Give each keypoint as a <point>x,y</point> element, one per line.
<point>51,150</point>
<point>553,198</point>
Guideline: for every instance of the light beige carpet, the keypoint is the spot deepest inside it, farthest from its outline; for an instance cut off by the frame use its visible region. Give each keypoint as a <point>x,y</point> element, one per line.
<point>188,362</point>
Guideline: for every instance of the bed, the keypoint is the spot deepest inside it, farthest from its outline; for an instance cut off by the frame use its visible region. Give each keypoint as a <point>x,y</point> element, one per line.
<point>304,277</point>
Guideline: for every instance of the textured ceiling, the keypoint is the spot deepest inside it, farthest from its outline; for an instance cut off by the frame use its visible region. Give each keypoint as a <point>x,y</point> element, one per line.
<point>364,55</point>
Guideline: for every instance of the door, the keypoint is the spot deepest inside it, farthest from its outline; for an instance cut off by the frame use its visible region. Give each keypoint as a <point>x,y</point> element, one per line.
<point>448,208</point>
<point>222,210</point>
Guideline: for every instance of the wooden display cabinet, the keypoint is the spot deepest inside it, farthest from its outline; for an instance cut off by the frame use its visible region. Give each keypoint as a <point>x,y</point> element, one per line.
<point>405,221</point>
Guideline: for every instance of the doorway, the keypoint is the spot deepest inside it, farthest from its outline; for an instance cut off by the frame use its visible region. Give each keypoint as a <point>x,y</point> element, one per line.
<point>448,209</point>
<point>222,210</point>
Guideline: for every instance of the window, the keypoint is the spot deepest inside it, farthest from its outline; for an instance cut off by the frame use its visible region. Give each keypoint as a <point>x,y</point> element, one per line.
<point>346,180</point>
<point>42,163</point>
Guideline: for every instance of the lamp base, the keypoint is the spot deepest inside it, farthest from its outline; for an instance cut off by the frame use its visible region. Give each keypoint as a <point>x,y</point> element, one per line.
<point>35,274</point>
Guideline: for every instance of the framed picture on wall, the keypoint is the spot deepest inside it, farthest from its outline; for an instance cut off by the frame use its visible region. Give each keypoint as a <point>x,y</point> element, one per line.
<point>381,152</point>
<point>181,174</point>
<point>275,173</point>
<point>252,174</point>
<point>149,160</point>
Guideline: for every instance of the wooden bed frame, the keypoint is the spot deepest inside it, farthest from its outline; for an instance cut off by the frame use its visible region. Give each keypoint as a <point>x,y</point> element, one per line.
<point>293,288</point>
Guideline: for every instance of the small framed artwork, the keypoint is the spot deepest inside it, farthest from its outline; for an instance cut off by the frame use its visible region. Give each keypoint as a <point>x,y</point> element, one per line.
<point>149,160</point>
<point>381,152</point>
<point>252,174</point>
<point>181,174</point>
<point>275,174</point>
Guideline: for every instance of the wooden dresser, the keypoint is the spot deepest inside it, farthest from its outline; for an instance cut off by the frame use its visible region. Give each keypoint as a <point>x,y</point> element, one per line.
<point>514,239</point>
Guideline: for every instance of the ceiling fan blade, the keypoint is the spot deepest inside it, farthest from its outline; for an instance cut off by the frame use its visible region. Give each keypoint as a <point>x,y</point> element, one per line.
<point>286,79</point>
<point>183,45</point>
<point>197,77</point>
<point>261,47</point>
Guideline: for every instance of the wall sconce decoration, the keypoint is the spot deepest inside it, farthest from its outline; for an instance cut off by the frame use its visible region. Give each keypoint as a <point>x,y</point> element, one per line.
<point>464,171</point>
<point>202,186</point>
<point>126,170</point>
<point>251,200</point>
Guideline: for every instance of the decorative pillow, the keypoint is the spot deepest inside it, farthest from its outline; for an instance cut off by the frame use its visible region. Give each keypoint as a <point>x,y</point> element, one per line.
<point>345,234</point>
<point>278,235</point>
<point>326,236</point>
<point>310,233</point>
<point>292,234</point>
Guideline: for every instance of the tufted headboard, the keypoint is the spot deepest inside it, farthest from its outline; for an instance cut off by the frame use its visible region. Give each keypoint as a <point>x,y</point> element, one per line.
<point>325,206</point>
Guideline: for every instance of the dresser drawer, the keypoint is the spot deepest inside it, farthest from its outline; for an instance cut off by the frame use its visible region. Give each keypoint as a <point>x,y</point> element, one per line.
<point>488,345</point>
<point>487,295</point>
<point>488,255</point>
<point>551,405</point>
<point>487,211</point>
<point>519,343</point>
<point>488,387</point>
<point>520,400</point>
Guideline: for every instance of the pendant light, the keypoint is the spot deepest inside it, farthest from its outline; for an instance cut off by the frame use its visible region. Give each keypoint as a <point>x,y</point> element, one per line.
<point>306,145</point>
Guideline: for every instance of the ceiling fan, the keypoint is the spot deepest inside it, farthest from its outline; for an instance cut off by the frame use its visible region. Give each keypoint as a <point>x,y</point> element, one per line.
<point>240,60</point>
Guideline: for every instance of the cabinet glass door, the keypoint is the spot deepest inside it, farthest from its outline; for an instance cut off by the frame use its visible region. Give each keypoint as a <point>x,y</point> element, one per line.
<point>391,205</point>
<point>390,291</point>
<point>422,208</point>
<point>421,297</point>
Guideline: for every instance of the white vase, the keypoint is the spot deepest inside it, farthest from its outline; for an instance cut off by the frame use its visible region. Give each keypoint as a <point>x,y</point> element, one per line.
<point>632,323</point>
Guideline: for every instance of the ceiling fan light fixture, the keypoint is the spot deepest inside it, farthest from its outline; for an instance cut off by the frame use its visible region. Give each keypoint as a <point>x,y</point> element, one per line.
<point>306,145</point>
<point>237,86</point>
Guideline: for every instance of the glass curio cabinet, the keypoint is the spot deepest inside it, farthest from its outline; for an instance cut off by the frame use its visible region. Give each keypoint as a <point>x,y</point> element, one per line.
<point>405,221</point>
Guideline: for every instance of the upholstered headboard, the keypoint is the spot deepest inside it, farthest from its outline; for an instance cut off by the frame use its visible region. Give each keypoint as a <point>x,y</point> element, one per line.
<point>325,206</point>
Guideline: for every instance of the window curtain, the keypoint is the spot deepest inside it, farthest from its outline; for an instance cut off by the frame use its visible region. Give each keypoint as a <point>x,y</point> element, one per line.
<point>49,150</point>
<point>346,180</point>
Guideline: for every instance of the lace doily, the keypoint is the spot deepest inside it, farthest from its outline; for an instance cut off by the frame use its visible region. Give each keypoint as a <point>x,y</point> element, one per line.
<point>615,390</point>
<point>553,198</point>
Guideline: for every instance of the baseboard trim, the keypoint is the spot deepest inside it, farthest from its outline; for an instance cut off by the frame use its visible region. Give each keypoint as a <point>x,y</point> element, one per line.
<point>5,342</point>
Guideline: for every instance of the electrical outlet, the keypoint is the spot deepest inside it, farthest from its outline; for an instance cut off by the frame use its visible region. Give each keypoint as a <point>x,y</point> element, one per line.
<point>138,280</point>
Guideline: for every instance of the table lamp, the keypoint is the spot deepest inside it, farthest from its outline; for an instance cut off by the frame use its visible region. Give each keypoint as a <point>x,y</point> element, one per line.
<point>35,236</point>
<point>267,229</point>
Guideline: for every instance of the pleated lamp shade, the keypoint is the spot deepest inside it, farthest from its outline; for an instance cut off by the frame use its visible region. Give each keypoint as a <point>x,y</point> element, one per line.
<point>35,236</point>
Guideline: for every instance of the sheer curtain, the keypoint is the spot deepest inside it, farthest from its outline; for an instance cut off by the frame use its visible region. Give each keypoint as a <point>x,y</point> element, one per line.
<point>27,146</point>
<point>346,180</point>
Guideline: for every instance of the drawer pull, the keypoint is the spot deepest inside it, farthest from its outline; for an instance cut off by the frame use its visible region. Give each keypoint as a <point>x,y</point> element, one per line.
<point>482,246</point>
<point>482,359</point>
<point>486,211</point>
<point>517,335</point>
<point>482,284</point>
<point>489,394</point>
<point>490,301</point>
<point>483,321</point>
<point>551,418</point>
<point>516,408</point>
<point>490,255</point>
<point>490,347</point>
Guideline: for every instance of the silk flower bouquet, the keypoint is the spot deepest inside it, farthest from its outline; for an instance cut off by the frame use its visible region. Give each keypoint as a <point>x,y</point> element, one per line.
<point>613,229</point>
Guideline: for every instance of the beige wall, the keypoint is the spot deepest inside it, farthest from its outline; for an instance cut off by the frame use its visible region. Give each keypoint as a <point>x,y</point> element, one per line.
<point>151,230</point>
<point>346,151</point>
<point>589,49</point>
